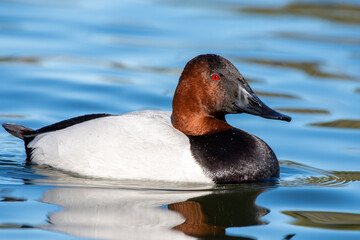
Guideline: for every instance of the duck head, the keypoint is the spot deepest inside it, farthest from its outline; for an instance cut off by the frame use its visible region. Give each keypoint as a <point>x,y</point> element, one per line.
<point>210,87</point>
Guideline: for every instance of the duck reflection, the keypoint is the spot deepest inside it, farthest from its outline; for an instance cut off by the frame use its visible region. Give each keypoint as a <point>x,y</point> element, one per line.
<point>108,213</point>
<point>210,215</point>
<point>136,210</point>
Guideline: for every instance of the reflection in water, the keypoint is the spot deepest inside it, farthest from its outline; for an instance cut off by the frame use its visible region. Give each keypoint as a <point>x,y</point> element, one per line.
<point>12,116</point>
<point>210,215</point>
<point>303,110</point>
<point>12,199</point>
<point>338,12</point>
<point>347,176</point>
<point>353,40</point>
<point>342,123</point>
<point>253,80</point>
<point>310,68</point>
<point>278,95</point>
<point>12,226</point>
<point>330,220</point>
<point>113,211</point>
<point>27,60</point>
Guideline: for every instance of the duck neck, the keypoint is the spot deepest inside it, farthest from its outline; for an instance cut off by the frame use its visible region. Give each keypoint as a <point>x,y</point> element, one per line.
<point>193,120</point>
<point>197,125</point>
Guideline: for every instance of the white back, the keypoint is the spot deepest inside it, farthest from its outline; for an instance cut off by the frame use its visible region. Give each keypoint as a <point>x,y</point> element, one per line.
<point>138,145</point>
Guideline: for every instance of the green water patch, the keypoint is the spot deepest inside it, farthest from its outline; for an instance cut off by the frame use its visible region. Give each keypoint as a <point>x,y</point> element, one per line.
<point>12,116</point>
<point>26,60</point>
<point>303,110</point>
<point>12,226</point>
<point>328,220</point>
<point>320,38</point>
<point>337,12</point>
<point>341,123</point>
<point>276,95</point>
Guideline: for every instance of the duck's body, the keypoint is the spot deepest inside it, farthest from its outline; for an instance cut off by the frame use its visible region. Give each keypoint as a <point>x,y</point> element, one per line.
<point>118,146</point>
<point>194,143</point>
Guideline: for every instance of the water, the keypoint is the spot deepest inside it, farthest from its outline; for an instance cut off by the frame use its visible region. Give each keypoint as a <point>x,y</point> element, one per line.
<point>67,58</point>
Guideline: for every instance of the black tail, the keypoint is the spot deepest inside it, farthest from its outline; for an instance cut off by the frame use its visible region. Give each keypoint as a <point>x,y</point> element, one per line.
<point>17,130</point>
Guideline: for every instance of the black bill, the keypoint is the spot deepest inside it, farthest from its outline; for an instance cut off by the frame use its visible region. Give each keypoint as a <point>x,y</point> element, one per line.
<point>248,102</point>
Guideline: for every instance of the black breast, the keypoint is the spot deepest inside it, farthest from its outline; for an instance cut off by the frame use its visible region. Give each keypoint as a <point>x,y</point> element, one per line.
<point>234,156</point>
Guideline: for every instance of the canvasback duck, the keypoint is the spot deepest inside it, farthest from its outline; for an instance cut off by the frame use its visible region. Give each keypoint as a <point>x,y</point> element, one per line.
<point>194,143</point>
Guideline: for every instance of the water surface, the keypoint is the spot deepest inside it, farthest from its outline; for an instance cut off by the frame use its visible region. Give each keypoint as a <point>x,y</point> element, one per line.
<point>63,59</point>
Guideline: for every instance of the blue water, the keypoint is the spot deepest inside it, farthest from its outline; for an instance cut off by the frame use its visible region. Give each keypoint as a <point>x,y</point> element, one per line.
<point>60,59</point>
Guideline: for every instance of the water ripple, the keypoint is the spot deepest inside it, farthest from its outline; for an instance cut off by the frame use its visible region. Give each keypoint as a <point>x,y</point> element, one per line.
<point>310,68</point>
<point>86,61</point>
<point>296,174</point>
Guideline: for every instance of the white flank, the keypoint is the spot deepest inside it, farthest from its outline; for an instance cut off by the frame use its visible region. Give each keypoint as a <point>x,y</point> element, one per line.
<point>138,145</point>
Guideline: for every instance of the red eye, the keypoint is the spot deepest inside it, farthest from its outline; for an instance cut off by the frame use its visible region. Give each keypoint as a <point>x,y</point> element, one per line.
<point>215,77</point>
